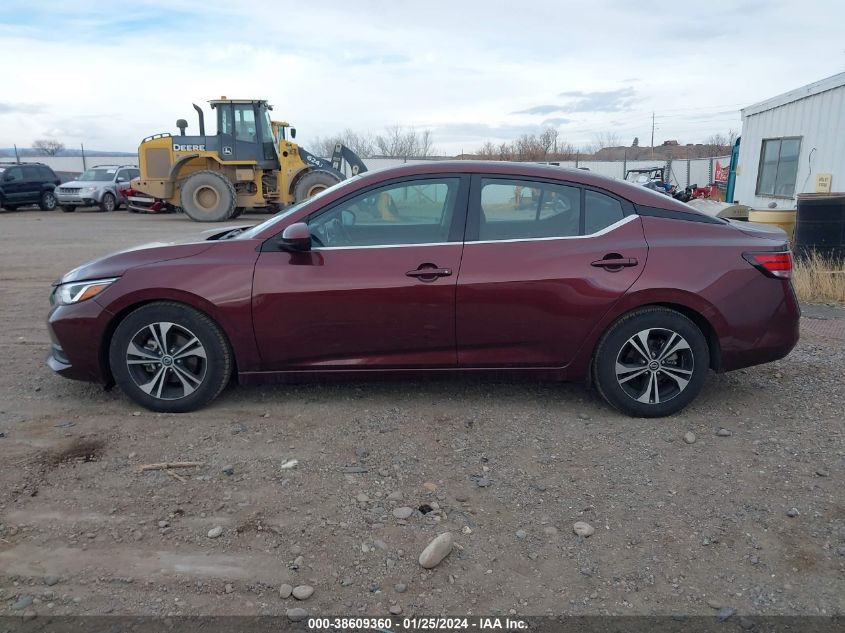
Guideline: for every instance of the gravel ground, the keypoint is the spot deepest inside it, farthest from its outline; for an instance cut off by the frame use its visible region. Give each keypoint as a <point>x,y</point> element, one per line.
<point>735,504</point>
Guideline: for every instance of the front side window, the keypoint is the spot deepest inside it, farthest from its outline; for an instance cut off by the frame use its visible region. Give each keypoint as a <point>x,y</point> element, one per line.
<point>778,167</point>
<point>524,209</point>
<point>417,212</point>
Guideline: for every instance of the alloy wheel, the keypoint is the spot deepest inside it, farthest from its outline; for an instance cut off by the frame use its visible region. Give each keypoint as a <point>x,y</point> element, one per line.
<point>654,365</point>
<point>166,361</point>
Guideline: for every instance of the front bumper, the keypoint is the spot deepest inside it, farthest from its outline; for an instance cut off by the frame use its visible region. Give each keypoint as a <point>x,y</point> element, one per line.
<point>76,200</point>
<point>77,333</point>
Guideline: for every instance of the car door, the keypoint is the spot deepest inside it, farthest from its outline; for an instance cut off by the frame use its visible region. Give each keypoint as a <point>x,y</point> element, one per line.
<point>543,261</point>
<point>377,289</point>
<point>14,185</point>
<point>31,186</point>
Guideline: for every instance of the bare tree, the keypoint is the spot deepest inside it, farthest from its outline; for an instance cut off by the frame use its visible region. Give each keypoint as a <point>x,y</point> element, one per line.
<point>362,144</point>
<point>606,139</point>
<point>488,151</point>
<point>48,146</point>
<point>548,140</point>
<point>400,142</point>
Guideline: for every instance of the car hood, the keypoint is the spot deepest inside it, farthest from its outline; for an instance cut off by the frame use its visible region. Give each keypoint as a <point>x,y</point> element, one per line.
<point>86,183</point>
<point>116,264</point>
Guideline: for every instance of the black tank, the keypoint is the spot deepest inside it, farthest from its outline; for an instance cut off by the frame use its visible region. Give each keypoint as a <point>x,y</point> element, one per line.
<point>820,225</point>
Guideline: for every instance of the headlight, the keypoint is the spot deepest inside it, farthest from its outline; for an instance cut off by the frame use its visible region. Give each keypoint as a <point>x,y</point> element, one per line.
<point>89,189</point>
<point>77,291</point>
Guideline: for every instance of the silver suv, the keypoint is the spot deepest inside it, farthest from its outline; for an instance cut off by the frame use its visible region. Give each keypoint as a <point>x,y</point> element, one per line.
<point>104,186</point>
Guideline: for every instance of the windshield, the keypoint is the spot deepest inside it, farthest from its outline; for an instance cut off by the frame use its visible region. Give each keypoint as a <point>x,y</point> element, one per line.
<point>258,228</point>
<point>98,174</point>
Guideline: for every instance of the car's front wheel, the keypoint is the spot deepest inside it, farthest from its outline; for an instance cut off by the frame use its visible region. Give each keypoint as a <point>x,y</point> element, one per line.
<point>108,203</point>
<point>168,357</point>
<point>651,362</point>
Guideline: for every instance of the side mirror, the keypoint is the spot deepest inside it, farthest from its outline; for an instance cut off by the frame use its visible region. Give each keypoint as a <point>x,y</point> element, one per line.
<point>121,179</point>
<point>293,132</point>
<point>296,237</point>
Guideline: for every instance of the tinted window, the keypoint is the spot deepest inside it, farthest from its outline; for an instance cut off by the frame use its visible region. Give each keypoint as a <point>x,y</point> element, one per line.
<point>417,212</point>
<point>600,211</point>
<point>520,209</point>
<point>133,173</point>
<point>31,173</point>
<point>46,173</point>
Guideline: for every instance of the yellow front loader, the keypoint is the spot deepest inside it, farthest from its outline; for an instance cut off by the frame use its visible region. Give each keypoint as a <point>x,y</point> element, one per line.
<point>249,163</point>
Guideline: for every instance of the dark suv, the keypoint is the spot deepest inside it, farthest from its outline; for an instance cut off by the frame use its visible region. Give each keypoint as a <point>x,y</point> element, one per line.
<point>27,183</point>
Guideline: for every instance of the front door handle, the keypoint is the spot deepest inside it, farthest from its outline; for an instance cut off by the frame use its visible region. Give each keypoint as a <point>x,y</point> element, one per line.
<point>615,263</point>
<point>429,273</point>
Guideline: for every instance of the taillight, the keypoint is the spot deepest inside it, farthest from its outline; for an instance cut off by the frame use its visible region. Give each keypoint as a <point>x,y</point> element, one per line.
<point>778,265</point>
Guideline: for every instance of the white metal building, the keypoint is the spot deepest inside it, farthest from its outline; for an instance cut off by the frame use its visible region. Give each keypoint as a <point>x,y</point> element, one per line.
<point>793,143</point>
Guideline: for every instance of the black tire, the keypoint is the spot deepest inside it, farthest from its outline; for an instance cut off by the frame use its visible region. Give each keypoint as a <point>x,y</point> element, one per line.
<point>644,385</point>
<point>108,203</point>
<point>68,208</point>
<point>10,207</point>
<point>163,384</point>
<point>238,212</point>
<point>207,196</point>
<point>313,183</point>
<point>48,201</point>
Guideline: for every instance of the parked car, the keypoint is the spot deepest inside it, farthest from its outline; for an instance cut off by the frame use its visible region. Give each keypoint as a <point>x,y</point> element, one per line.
<point>27,183</point>
<point>103,186</point>
<point>443,267</point>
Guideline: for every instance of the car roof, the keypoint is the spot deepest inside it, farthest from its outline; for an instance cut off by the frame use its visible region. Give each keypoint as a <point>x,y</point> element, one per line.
<point>635,193</point>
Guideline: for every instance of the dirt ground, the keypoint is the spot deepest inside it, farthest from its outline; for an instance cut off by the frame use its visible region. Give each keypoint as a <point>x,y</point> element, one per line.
<point>507,467</point>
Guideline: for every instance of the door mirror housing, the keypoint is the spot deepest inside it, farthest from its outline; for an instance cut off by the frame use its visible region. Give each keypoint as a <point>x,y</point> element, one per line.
<point>296,237</point>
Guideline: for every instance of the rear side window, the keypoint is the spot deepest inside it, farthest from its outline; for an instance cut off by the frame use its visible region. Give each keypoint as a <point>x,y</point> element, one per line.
<point>600,211</point>
<point>524,209</point>
<point>46,173</point>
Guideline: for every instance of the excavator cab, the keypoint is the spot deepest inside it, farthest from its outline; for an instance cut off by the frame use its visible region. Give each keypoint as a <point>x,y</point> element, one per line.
<point>245,133</point>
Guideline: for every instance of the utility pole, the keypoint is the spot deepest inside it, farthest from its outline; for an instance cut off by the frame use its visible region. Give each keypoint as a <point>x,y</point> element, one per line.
<point>652,134</point>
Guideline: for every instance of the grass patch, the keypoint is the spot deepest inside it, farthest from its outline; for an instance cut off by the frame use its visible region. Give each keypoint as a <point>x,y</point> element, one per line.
<point>818,279</point>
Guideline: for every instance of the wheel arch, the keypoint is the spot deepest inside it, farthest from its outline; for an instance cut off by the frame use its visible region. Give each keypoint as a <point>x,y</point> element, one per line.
<point>695,308</point>
<point>124,311</point>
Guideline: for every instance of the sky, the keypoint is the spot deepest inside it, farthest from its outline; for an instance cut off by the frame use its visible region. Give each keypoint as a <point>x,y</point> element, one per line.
<point>106,74</point>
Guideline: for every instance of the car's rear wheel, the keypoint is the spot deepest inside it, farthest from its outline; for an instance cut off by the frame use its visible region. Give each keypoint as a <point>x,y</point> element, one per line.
<point>651,362</point>
<point>48,201</point>
<point>168,357</point>
<point>108,203</point>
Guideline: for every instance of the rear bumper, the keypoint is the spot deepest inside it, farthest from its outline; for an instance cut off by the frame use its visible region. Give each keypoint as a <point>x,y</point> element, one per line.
<point>780,336</point>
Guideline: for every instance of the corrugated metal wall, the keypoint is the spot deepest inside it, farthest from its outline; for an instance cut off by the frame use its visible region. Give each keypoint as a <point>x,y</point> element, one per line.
<point>820,122</point>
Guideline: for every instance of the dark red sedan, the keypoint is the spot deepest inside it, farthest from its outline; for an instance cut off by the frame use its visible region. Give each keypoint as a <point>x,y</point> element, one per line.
<point>439,267</point>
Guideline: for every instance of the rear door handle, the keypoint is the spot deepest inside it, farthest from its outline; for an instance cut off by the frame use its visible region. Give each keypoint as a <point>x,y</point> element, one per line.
<point>615,262</point>
<point>433,273</point>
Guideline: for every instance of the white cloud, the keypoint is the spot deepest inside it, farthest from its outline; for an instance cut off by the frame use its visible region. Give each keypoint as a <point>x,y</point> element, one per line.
<point>471,71</point>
